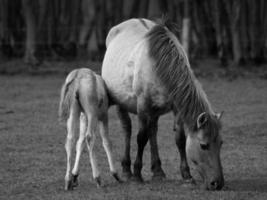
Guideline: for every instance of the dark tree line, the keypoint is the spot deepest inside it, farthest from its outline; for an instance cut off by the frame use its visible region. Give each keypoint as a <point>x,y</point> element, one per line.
<point>235,31</point>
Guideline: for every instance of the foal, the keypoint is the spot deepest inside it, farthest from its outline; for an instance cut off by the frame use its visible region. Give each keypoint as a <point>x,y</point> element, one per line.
<point>84,102</point>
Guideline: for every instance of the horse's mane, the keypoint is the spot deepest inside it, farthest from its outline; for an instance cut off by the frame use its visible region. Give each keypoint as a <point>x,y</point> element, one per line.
<point>173,69</point>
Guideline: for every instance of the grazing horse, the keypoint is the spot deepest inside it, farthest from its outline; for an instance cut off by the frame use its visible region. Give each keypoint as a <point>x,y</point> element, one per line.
<point>147,73</point>
<point>84,103</point>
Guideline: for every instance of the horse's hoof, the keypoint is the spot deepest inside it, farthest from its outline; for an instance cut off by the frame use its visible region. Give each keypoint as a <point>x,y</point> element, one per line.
<point>98,181</point>
<point>190,181</point>
<point>116,176</point>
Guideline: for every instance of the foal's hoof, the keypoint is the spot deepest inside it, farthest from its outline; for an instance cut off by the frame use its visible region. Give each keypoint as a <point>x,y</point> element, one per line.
<point>72,183</point>
<point>74,179</point>
<point>98,181</point>
<point>116,176</point>
<point>68,185</point>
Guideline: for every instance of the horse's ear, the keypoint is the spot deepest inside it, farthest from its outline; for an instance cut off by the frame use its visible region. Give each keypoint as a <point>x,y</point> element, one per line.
<point>201,120</point>
<point>219,115</point>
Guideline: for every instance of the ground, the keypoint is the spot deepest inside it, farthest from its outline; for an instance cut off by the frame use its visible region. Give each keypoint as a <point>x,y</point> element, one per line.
<point>32,155</point>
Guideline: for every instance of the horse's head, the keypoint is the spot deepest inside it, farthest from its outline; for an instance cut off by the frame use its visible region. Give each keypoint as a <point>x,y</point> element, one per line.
<point>203,147</point>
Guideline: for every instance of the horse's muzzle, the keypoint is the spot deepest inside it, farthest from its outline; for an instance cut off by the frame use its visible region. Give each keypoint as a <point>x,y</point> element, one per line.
<point>216,184</point>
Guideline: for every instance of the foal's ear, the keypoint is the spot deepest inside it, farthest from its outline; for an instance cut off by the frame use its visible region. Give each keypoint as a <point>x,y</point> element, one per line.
<point>219,115</point>
<point>201,120</point>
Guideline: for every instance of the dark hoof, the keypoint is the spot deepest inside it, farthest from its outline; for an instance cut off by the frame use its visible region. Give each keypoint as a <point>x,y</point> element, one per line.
<point>98,181</point>
<point>74,179</point>
<point>127,175</point>
<point>72,183</point>
<point>137,179</point>
<point>116,176</point>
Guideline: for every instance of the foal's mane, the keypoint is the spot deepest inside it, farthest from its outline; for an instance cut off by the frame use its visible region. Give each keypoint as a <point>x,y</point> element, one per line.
<point>173,69</point>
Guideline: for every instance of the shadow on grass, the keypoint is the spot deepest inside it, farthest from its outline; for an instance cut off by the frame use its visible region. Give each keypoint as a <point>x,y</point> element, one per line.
<point>259,185</point>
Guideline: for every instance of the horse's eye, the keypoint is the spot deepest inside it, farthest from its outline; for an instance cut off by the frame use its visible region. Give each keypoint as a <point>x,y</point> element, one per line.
<point>204,146</point>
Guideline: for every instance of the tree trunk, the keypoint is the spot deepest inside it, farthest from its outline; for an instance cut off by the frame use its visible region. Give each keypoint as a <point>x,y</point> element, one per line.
<point>3,25</point>
<point>186,27</point>
<point>128,9</point>
<point>88,18</point>
<point>218,24</point>
<point>157,9</point>
<point>264,23</point>
<point>233,13</point>
<point>101,21</point>
<point>30,20</point>
<point>235,33</point>
<point>255,31</point>
<point>140,8</point>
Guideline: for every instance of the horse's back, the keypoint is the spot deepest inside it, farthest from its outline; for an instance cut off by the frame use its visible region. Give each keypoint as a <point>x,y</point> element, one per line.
<point>92,86</point>
<point>134,27</point>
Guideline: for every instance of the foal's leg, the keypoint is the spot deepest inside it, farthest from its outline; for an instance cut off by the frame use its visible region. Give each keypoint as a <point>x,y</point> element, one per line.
<point>127,129</point>
<point>79,149</point>
<point>72,128</point>
<point>103,126</point>
<point>90,141</point>
<point>158,173</point>
<point>181,142</point>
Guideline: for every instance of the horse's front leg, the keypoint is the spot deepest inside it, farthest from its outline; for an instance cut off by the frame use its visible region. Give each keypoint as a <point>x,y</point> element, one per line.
<point>127,130</point>
<point>180,140</point>
<point>158,173</point>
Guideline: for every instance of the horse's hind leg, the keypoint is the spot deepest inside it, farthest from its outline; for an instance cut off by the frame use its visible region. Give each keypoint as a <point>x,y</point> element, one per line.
<point>181,142</point>
<point>79,149</point>
<point>127,129</point>
<point>158,173</point>
<point>103,126</point>
<point>72,128</point>
<point>142,139</point>
<point>90,141</point>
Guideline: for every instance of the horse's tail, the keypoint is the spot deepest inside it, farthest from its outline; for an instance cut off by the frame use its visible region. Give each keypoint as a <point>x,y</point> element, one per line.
<point>67,96</point>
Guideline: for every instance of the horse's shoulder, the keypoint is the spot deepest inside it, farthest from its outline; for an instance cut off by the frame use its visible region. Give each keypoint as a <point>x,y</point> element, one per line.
<point>134,24</point>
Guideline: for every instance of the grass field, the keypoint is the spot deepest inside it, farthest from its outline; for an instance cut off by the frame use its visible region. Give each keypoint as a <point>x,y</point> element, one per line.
<point>32,155</point>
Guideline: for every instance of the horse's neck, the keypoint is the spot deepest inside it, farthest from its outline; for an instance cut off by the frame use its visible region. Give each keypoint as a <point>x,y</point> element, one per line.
<point>203,97</point>
<point>197,104</point>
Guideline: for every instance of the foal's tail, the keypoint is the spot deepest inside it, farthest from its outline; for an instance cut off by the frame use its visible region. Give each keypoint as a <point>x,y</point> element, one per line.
<point>67,96</point>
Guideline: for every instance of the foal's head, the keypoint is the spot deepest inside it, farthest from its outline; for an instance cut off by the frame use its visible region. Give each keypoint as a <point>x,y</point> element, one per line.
<point>203,147</point>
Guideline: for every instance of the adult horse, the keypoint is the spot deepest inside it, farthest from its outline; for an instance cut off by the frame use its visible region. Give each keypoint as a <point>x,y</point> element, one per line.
<point>147,73</point>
